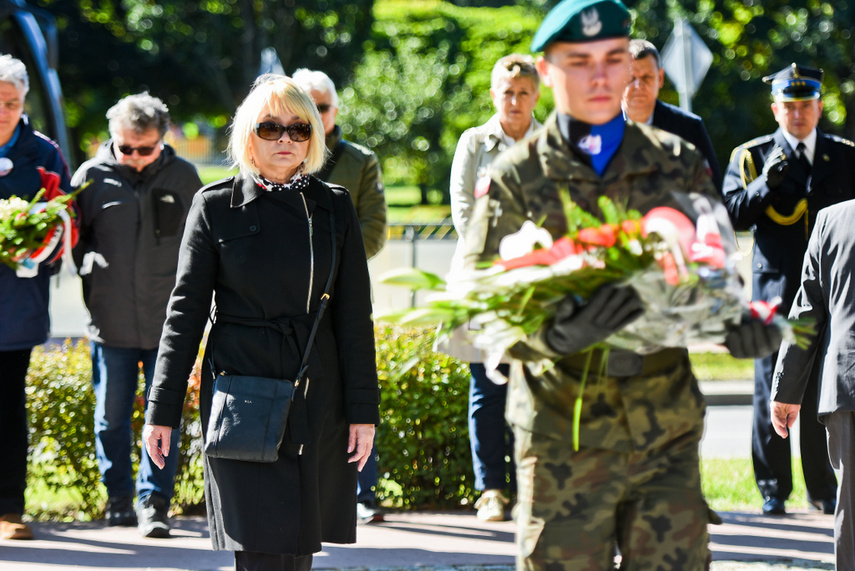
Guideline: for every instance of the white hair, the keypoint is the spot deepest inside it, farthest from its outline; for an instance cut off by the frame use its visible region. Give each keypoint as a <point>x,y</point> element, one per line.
<point>13,71</point>
<point>316,81</point>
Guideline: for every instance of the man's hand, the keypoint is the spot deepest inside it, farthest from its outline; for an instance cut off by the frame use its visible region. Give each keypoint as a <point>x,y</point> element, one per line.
<point>783,416</point>
<point>609,310</point>
<point>775,168</point>
<point>753,339</point>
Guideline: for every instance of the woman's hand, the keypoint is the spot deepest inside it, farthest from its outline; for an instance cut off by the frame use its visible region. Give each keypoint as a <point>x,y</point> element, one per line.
<point>157,439</point>
<point>360,442</point>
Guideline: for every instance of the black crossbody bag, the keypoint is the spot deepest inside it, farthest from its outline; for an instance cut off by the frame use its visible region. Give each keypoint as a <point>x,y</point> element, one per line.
<point>249,414</point>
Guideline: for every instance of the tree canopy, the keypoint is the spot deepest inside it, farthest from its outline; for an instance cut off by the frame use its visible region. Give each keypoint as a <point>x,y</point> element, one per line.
<point>413,75</point>
<point>200,56</point>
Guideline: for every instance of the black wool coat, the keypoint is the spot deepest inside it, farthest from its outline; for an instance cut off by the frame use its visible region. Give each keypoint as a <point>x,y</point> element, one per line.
<point>266,256</point>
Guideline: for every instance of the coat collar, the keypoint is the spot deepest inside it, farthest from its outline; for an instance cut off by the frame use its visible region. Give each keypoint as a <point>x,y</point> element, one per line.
<point>554,153</point>
<point>245,190</point>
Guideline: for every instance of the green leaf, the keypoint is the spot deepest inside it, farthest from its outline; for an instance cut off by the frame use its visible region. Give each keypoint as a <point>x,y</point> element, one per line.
<point>414,279</point>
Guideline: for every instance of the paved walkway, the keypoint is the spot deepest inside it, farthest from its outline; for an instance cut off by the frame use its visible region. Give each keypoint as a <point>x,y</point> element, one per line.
<point>424,541</point>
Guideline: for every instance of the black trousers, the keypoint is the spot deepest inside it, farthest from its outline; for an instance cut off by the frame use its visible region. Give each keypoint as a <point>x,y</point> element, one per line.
<point>13,429</point>
<point>252,561</point>
<point>772,455</point>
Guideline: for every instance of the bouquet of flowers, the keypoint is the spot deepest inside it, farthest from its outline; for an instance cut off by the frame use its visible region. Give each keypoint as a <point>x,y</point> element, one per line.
<point>685,273</point>
<point>35,230</point>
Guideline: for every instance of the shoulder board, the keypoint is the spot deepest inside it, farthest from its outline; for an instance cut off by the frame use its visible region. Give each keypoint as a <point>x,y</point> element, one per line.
<point>756,142</point>
<point>841,140</point>
<point>748,145</point>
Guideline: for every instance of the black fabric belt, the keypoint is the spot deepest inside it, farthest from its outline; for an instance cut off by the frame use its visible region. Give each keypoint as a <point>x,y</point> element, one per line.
<point>622,363</point>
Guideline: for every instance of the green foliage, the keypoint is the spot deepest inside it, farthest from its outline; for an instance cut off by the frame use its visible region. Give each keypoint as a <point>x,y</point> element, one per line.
<point>424,78</point>
<point>62,438</point>
<point>750,39</point>
<point>200,57</point>
<point>423,437</point>
<point>61,405</point>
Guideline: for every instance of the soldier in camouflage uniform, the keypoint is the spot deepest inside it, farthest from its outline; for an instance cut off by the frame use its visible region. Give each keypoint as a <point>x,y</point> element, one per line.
<point>634,483</point>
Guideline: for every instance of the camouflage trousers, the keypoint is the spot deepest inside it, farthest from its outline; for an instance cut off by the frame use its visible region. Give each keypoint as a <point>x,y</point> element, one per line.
<point>577,510</point>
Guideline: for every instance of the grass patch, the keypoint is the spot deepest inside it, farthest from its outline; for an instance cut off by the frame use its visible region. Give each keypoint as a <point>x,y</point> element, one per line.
<point>721,367</point>
<point>728,485</point>
<point>210,173</point>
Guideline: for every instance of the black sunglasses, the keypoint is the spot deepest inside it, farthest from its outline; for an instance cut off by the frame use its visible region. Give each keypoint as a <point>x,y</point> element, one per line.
<point>143,151</point>
<point>324,107</point>
<point>272,131</point>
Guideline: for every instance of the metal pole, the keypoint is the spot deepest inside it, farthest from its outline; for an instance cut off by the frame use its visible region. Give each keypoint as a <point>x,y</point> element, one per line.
<point>686,53</point>
<point>411,234</point>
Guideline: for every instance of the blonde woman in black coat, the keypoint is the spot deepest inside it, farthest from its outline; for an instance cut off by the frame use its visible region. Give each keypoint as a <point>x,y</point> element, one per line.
<point>259,243</point>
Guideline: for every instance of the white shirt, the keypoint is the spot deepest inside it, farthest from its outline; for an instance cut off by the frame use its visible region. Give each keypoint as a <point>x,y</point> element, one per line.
<point>809,142</point>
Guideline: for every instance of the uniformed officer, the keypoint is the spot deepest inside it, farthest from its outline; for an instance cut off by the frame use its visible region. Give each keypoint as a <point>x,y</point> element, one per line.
<point>775,185</point>
<point>634,481</point>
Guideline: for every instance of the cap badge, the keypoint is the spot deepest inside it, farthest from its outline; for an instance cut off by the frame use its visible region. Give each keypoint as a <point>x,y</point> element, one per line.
<point>591,24</point>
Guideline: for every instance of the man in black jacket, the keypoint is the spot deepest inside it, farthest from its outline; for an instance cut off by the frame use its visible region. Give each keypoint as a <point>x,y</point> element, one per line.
<point>131,221</point>
<point>641,104</point>
<point>776,184</point>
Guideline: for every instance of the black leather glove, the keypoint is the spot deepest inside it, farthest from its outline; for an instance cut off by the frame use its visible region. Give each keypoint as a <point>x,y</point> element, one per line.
<point>609,310</point>
<point>753,339</point>
<point>775,168</point>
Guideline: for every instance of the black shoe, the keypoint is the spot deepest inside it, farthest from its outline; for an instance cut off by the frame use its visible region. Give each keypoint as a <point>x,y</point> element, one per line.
<point>827,507</point>
<point>152,513</point>
<point>366,513</point>
<point>774,506</point>
<point>120,512</point>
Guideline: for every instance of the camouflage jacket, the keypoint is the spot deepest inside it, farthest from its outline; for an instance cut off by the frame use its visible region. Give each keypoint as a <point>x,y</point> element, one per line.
<point>619,413</point>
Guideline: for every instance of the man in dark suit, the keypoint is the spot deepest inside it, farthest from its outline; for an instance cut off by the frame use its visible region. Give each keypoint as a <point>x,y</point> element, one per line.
<point>776,189</point>
<point>641,104</point>
<point>826,295</point>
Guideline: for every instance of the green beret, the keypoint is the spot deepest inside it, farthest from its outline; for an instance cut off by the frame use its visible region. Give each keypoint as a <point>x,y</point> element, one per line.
<point>583,21</point>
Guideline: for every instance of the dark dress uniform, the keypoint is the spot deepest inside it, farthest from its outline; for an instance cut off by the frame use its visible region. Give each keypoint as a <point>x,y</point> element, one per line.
<point>782,220</point>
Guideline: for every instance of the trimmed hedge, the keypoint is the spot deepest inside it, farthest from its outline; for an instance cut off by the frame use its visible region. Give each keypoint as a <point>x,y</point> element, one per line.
<point>62,437</point>
<point>423,439</point>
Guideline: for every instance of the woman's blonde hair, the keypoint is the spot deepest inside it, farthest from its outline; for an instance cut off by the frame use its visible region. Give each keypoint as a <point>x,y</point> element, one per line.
<point>279,94</point>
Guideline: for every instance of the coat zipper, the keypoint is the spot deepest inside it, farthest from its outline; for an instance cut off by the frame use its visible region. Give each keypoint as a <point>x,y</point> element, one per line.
<point>311,283</point>
<point>311,255</point>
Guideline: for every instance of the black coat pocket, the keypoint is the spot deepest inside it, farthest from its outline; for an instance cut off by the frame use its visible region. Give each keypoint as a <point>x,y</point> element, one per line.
<point>169,212</point>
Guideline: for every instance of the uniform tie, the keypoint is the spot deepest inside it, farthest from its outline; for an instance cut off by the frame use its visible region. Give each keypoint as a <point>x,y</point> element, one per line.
<point>801,150</point>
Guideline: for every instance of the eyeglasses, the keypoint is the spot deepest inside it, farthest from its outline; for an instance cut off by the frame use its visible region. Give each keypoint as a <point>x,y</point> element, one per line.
<point>324,107</point>
<point>143,151</point>
<point>272,131</point>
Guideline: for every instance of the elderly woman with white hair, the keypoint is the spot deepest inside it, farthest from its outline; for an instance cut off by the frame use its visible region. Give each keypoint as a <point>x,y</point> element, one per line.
<point>24,317</point>
<point>265,244</point>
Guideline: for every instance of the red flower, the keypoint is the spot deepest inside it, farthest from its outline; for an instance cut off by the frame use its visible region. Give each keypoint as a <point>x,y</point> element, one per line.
<point>50,182</point>
<point>602,236</point>
<point>562,248</point>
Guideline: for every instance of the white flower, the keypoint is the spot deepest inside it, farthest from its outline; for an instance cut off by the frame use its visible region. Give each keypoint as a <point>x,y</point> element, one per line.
<point>523,242</point>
